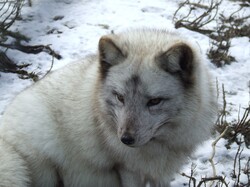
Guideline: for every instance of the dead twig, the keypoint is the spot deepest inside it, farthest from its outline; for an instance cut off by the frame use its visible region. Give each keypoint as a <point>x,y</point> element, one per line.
<point>197,23</point>
<point>33,49</point>
<point>191,177</point>
<point>10,12</point>
<point>213,150</point>
<point>8,66</point>
<point>209,179</point>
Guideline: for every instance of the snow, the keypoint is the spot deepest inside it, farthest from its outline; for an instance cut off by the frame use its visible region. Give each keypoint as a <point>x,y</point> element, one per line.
<point>77,32</point>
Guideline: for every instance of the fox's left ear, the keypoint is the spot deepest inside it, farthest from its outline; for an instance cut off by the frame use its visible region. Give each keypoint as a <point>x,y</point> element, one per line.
<point>179,59</point>
<point>109,54</point>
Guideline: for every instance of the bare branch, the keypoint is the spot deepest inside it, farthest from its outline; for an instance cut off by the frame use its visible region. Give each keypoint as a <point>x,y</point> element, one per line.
<point>217,178</point>
<point>33,49</point>
<point>200,21</point>
<point>12,10</point>
<point>213,152</point>
<point>191,178</point>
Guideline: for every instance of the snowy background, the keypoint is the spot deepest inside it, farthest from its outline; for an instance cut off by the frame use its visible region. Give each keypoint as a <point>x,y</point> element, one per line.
<point>77,33</point>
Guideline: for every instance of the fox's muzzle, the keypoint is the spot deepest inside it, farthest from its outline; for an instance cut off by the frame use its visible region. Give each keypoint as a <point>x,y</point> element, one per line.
<point>127,139</point>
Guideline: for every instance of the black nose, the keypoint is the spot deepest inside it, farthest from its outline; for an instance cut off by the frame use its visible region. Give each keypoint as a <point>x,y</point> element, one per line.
<point>127,139</point>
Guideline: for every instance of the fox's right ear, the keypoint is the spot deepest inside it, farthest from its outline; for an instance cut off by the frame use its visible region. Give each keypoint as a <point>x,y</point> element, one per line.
<point>109,54</point>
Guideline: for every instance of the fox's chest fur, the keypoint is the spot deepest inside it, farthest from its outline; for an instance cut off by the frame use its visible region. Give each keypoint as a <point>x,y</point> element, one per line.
<point>127,116</point>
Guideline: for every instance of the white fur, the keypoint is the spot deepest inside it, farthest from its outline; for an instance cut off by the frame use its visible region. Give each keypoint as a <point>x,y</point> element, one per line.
<point>57,129</point>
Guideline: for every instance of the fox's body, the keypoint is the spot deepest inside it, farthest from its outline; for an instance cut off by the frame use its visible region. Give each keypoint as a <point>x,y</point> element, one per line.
<point>127,116</point>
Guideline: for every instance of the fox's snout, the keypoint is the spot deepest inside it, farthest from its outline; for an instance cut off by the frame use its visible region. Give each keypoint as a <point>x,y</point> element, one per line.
<point>128,139</point>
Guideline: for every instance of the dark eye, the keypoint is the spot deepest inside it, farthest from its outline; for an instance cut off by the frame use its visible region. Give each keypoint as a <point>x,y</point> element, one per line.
<point>119,97</point>
<point>155,101</point>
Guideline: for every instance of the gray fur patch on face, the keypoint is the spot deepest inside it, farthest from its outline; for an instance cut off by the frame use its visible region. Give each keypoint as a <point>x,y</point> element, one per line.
<point>132,84</point>
<point>134,115</point>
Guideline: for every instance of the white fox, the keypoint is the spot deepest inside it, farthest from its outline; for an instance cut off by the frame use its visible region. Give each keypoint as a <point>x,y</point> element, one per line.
<point>127,116</point>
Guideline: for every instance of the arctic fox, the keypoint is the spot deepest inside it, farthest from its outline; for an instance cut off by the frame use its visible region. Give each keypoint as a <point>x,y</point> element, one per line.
<point>126,117</point>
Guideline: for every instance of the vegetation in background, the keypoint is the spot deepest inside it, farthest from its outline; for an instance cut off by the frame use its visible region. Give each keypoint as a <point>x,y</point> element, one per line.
<point>205,17</point>
<point>10,11</point>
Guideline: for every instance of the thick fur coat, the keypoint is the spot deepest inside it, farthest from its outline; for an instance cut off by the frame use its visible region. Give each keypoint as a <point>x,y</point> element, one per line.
<point>128,116</point>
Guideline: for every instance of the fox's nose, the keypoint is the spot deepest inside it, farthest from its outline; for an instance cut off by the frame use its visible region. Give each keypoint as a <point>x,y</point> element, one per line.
<point>127,139</point>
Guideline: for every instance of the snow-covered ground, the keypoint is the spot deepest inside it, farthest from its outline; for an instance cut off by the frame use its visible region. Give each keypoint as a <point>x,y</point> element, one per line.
<point>78,32</point>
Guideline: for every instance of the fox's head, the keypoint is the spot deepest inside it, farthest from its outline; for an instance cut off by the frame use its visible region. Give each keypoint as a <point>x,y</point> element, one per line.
<point>146,77</point>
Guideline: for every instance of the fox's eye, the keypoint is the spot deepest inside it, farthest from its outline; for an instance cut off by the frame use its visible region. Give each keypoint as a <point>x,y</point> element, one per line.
<point>155,101</point>
<point>119,97</point>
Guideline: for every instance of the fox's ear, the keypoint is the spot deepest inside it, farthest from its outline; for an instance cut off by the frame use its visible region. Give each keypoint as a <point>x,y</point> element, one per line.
<point>109,54</point>
<point>179,59</point>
